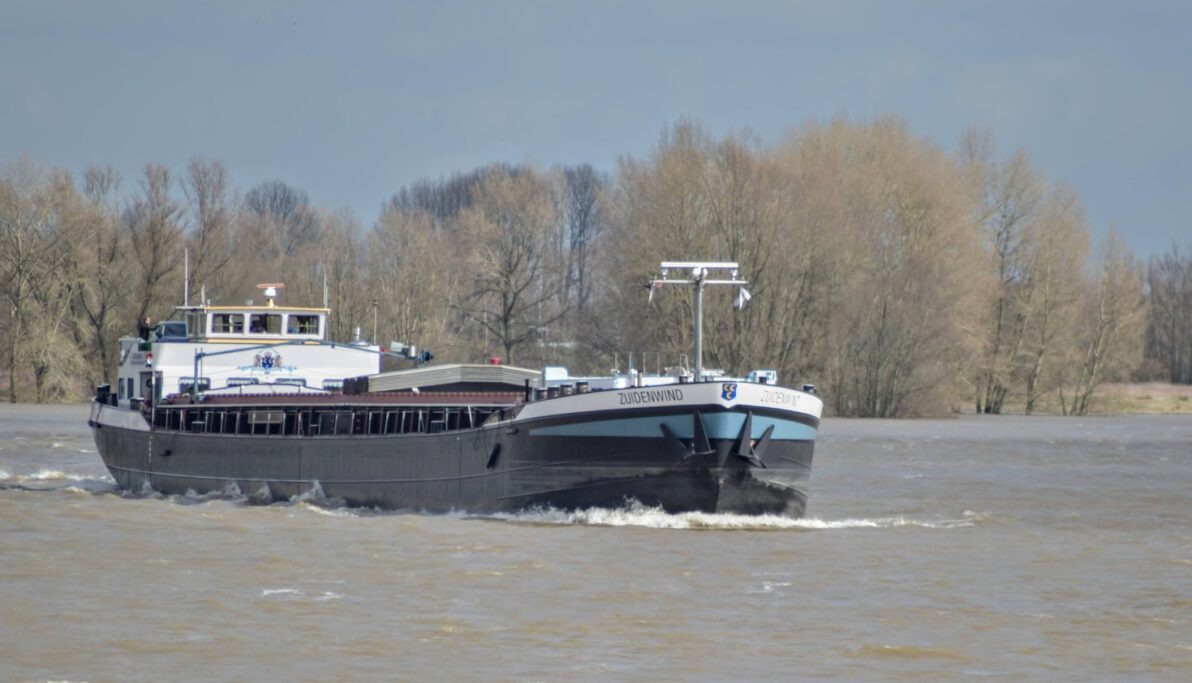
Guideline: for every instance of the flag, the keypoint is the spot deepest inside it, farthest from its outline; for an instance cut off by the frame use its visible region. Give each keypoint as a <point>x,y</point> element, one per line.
<point>743,298</point>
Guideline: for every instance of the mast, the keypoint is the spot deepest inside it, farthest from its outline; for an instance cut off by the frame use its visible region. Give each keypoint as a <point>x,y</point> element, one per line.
<point>186,276</point>
<point>698,272</point>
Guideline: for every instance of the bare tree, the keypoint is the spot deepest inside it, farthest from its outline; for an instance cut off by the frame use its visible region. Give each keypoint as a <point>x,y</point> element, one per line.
<point>1169,326</point>
<point>443,201</point>
<point>340,254</point>
<point>583,220</point>
<point>661,212</point>
<point>1010,199</point>
<point>1057,251</point>
<point>411,275</point>
<point>40,219</point>
<point>211,212</point>
<point>99,267</point>
<point>27,245</point>
<point>284,222</point>
<point>909,278</point>
<point>855,239</point>
<point>1110,343</point>
<point>513,280</point>
<point>155,237</point>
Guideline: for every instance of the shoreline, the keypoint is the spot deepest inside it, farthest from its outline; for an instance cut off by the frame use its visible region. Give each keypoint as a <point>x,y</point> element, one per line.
<point>1111,400</point>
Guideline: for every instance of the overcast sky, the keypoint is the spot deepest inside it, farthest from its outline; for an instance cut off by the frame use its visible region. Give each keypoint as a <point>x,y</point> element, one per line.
<point>349,101</point>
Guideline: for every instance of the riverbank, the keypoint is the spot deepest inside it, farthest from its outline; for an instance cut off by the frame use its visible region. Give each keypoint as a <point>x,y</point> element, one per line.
<point>1158,398</point>
<point>1137,398</point>
<point>1119,398</point>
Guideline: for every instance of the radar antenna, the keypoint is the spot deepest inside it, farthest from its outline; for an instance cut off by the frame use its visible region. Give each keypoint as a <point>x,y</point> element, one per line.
<point>697,278</point>
<point>270,291</point>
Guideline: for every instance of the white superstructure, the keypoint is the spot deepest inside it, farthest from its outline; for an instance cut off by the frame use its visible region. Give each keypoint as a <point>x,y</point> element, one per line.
<point>239,349</point>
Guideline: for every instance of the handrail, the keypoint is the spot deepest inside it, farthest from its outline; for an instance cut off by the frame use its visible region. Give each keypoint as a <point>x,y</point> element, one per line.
<point>200,354</point>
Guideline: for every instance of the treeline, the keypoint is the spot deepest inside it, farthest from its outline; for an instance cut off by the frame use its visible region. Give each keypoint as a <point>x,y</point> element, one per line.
<point>898,277</point>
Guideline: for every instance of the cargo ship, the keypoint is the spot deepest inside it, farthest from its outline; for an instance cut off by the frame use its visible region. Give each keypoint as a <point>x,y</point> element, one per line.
<point>255,401</point>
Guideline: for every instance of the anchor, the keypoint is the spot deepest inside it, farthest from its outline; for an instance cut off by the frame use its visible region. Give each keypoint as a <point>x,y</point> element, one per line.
<point>700,446</point>
<point>745,448</point>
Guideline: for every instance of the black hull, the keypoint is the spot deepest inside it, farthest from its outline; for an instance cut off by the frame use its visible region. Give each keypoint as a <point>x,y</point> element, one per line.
<point>483,470</point>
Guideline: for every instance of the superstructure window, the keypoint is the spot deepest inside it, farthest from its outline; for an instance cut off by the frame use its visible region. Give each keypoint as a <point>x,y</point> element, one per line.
<point>185,383</point>
<point>303,324</point>
<point>291,381</point>
<point>172,330</point>
<point>227,323</point>
<point>264,323</point>
<point>241,381</point>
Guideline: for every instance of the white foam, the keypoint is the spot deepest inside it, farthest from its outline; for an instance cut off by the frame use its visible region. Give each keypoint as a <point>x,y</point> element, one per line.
<point>263,494</point>
<point>49,475</point>
<point>147,491</point>
<point>770,587</point>
<point>229,493</point>
<point>295,594</point>
<point>321,509</point>
<point>636,514</point>
<point>315,492</point>
<point>315,498</point>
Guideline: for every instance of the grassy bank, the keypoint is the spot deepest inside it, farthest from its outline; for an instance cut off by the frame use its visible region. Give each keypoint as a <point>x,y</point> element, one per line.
<point>1126,398</point>
<point>1149,397</point>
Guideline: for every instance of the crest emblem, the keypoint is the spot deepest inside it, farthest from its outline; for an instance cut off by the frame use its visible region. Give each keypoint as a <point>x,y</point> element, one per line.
<point>267,362</point>
<point>728,391</point>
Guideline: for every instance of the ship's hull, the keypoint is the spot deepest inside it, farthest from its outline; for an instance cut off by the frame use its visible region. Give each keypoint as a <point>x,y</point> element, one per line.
<point>562,459</point>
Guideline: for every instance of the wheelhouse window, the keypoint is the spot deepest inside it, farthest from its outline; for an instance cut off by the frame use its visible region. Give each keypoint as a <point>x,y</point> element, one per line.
<point>227,323</point>
<point>185,383</point>
<point>172,330</point>
<point>299,323</point>
<point>264,323</point>
<point>333,384</point>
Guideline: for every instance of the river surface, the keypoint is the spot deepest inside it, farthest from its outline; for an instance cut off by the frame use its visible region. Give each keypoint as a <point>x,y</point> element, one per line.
<point>1005,548</point>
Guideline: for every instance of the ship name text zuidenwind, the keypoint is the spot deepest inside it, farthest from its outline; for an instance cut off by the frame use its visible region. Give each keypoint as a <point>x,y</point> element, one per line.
<point>650,396</point>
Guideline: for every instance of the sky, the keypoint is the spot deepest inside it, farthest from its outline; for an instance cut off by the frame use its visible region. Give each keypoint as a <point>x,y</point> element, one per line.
<point>350,101</point>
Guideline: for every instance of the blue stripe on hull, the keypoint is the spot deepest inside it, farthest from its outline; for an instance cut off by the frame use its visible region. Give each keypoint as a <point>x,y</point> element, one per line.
<point>718,425</point>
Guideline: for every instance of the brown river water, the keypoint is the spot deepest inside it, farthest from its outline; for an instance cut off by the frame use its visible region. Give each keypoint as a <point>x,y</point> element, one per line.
<point>977,548</point>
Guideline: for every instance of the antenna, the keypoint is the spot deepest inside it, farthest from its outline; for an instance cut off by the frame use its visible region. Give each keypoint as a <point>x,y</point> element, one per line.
<point>185,276</point>
<point>697,278</point>
<point>270,291</point>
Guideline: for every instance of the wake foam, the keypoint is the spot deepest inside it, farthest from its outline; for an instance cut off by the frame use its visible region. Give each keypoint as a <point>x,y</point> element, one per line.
<point>315,498</point>
<point>638,515</point>
<point>296,594</point>
<point>322,508</point>
<point>55,480</point>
